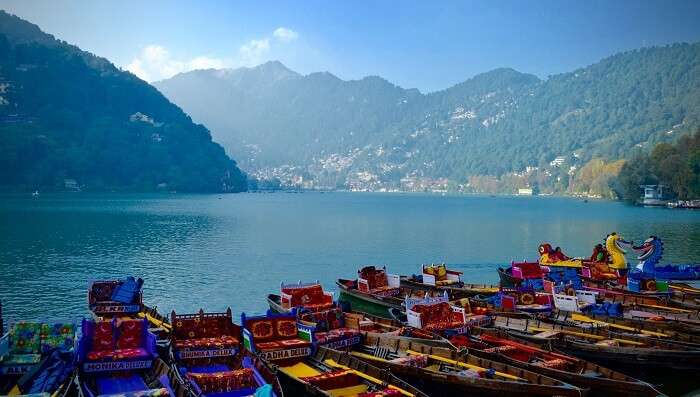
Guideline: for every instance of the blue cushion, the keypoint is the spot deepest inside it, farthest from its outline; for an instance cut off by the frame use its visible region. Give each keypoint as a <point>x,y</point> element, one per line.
<point>126,292</point>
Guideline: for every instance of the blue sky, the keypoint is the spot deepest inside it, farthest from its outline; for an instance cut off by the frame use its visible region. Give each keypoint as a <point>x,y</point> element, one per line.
<point>422,44</point>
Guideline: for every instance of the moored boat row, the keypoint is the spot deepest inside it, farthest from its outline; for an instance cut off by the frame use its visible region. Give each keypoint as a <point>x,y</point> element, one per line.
<point>556,326</point>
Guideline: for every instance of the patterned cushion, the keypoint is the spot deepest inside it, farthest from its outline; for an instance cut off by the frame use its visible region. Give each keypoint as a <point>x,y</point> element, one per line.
<point>130,334</point>
<point>25,338</point>
<point>225,381</point>
<point>221,342</point>
<point>335,334</point>
<point>326,319</point>
<point>119,354</point>
<point>103,336</point>
<point>272,345</point>
<point>262,329</point>
<point>286,328</point>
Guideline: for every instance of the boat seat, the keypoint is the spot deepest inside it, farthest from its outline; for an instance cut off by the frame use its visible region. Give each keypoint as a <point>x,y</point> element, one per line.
<point>118,354</point>
<point>224,381</point>
<point>335,334</point>
<point>282,344</point>
<point>221,342</point>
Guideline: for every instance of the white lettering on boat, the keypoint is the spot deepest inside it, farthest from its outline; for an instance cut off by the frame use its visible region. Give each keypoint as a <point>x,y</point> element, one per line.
<point>116,366</point>
<point>287,353</point>
<point>206,353</point>
<point>354,340</point>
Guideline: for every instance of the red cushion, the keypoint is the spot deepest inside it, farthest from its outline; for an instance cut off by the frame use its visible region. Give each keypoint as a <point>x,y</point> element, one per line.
<point>288,343</point>
<point>286,328</point>
<point>103,337</point>
<point>221,342</point>
<point>335,334</point>
<point>100,355</point>
<point>261,330</point>
<point>225,381</point>
<point>130,334</point>
<point>268,345</point>
<point>121,354</point>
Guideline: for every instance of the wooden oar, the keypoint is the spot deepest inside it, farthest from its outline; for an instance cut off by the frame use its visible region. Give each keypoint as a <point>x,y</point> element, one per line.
<point>586,319</point>
<point>466,365</point>
<point>332,363</point>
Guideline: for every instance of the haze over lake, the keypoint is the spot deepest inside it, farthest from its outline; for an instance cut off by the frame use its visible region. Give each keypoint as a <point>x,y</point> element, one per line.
<point>216,251</point>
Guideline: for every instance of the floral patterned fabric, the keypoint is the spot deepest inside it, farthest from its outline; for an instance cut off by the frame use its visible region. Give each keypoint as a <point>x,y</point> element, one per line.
<point>225,381</point>
<point>25,338</point>
<point>326,319</point>
<point>309,297</point>
<point>287,328</point>
<point>336,379</point>
<point>118,354</point>
<point>57,336</point>
<point>222,342</point>
<point>335,334</point>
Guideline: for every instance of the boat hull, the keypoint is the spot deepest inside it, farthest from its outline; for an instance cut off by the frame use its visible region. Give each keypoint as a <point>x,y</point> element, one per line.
<point>366,303</point>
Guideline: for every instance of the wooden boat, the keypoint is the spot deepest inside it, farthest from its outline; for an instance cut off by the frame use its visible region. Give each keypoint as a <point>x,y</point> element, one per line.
<point>127,364</point>
<point>506,278</point>
<point>600,344</point>
<point>334,373</point>
<point>440,278</point>
<point>37,358</point>
<point>110,298</point>
<point>498,345</point>
<point>677,296</point>
<point>157,380</point>
<point>206,350</point>
<point>449,372</point>
<point>302,297</point>
<point>375,291</point>
<point>673,330</point>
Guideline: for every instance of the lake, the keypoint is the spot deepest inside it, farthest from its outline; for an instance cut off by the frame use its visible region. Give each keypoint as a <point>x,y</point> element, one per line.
<point>216,251</point>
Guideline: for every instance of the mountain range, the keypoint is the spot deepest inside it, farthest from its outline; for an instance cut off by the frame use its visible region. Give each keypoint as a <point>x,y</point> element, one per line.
<point>70,119</point>
<point>503,121</point>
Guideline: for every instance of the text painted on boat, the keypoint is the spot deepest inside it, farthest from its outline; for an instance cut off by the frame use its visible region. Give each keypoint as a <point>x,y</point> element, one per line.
<point>206,353</point>
<point>354,340</point>
<point>287,353</point>
<point>116,366</point>
<point>117,308</point>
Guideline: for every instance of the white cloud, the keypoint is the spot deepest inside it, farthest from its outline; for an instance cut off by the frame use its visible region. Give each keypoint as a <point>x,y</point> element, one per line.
<point>155,62</point>
<point>253,52</point>
<point>285,34</point>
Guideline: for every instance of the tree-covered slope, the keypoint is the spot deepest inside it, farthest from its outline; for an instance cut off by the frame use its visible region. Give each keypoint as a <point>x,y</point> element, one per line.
<point>67,114</point>
<point>494,123</point>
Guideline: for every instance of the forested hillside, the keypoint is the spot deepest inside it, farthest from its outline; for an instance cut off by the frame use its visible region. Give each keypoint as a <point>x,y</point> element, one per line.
<point>318,127</point>
<point>675,165</point>
<point>71,119</point>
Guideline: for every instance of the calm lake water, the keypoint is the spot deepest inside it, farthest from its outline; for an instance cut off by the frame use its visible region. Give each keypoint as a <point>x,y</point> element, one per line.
<point>216,251</point>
